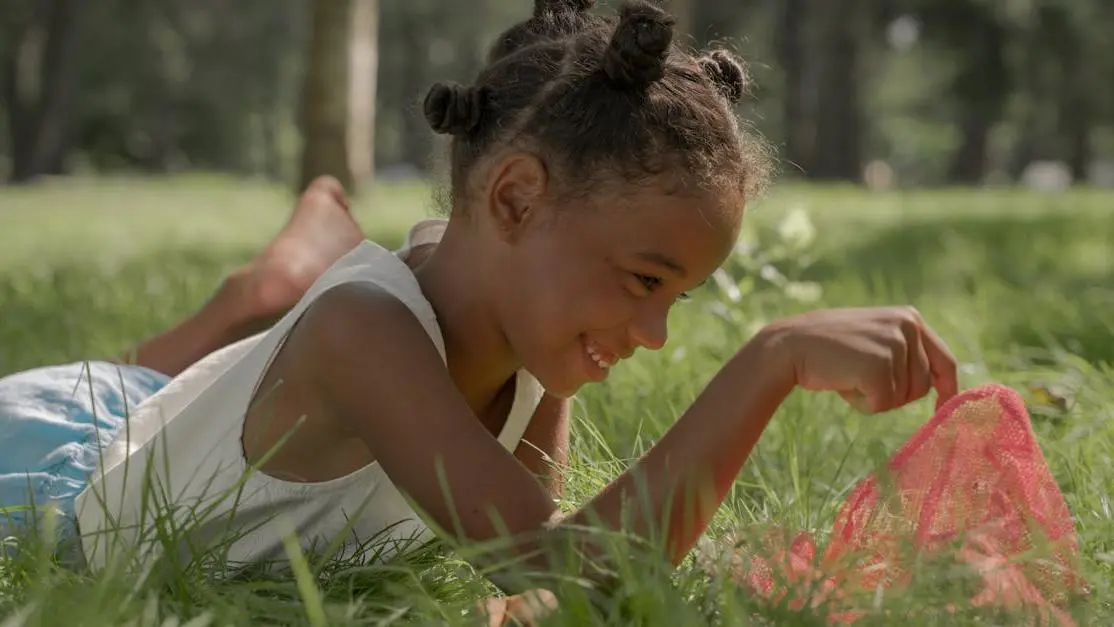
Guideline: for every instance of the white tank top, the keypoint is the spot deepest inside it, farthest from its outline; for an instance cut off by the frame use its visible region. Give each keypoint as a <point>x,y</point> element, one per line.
<point>185,443</point>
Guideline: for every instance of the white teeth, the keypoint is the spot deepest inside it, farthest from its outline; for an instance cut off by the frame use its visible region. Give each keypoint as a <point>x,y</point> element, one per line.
<point>600,361</point>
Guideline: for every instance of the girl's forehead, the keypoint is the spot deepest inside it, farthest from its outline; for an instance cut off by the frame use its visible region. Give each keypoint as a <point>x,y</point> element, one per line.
<point>679,217</point>
<point>693,232</point>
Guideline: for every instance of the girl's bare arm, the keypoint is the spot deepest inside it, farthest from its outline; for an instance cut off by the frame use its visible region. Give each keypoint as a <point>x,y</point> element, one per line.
<point>544,448</point>
<point>383,376</point>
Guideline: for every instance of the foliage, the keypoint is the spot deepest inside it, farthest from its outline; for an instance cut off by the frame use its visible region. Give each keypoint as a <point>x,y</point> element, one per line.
<point>943,91</point>
<point>766,266</point>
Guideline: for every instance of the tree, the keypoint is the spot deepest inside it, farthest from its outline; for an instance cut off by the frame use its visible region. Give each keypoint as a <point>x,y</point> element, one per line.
<point>842,30</point>
<point>343,40</point>
<point>791,55</point>
<point>973,34</point>
<point>40,69</point>
<point>363,70</point>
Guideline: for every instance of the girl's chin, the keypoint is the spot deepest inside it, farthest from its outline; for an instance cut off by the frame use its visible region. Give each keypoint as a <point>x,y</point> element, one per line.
<point>570,381</point>
<point>563,387</point>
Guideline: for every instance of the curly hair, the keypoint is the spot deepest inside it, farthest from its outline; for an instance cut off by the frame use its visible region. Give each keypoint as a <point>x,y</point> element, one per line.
<point>602,96</point>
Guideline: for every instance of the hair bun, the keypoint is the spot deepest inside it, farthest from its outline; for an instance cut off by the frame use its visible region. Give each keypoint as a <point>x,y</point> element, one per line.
<point>453,109</point>
<point>541,7</point>
<point>636,55</point>
<point>727,73</point>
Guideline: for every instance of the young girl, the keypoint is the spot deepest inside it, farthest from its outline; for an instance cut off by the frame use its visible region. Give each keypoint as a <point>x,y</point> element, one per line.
<point>598,174</point>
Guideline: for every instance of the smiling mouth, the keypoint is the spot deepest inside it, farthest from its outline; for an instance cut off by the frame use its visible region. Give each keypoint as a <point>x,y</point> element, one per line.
<point>601,358</point>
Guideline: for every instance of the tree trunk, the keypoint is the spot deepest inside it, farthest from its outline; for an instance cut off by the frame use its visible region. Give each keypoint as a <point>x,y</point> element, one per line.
<point>969,163</point>
<point>838,151</point>
<point>417,147</point>
<point>791,57</point>
<point>1077,96</point>
<point>1078,133</point>
<point>338,95</point>
<point>325,95</point>
<point>1050,42</point>
<point>982,83</point>
<point>38,90</point>
<point>364,65</point>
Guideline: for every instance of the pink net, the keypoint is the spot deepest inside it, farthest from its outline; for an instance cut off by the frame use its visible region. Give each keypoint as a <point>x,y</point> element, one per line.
<point>970,485</point>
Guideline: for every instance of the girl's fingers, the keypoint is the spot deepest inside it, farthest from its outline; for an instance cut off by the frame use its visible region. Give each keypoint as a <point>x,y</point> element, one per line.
<point>903,354</point>
<point>942,365</point>
<point>495,609</point>
<point>521,609</point>
<point>917,367</point>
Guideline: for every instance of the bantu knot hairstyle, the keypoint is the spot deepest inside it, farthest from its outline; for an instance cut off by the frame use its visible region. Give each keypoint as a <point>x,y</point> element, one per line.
<point>541,7</point>
<point>552,20</point>
<point>560,84</point>
<point>727,73</point>
<point>452,109</point>
<point>637,52</point>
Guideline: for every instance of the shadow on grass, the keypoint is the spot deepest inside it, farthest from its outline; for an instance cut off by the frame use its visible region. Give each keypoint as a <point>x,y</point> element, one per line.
<point>1046,279</point>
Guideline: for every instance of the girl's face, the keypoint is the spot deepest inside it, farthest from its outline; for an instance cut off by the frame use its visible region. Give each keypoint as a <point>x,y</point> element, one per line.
<point>586,286</point>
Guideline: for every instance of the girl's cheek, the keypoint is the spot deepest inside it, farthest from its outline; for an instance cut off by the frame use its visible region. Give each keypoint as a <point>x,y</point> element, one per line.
<point>615,307</point>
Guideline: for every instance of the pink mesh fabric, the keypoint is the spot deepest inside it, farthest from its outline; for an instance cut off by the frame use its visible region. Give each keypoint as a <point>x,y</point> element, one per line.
<point>970,485</point>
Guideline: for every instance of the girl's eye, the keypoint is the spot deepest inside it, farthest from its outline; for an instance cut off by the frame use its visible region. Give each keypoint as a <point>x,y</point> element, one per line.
<point>652,283</point>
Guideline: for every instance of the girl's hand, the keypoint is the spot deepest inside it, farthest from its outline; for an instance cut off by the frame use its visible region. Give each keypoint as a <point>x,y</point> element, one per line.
<point>525,609</point>
<point>877,359</point>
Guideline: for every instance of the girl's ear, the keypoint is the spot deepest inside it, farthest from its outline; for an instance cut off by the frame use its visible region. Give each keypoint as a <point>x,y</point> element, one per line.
<point>515,191</point>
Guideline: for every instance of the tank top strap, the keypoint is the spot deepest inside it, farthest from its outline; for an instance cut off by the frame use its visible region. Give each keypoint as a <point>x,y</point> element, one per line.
<point>370,262</point>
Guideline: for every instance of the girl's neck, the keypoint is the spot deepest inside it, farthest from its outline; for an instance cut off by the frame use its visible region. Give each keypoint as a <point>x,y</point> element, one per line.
<point>479,357</point>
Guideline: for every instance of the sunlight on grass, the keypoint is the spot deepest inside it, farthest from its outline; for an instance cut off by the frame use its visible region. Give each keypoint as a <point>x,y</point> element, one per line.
<point>1020,285</point>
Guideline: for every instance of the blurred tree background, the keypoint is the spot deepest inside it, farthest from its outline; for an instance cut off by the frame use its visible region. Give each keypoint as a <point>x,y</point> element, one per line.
<point>870,92</point>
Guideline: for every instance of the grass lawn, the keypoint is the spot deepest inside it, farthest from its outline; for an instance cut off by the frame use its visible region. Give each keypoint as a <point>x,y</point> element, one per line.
<point>1020,285</point>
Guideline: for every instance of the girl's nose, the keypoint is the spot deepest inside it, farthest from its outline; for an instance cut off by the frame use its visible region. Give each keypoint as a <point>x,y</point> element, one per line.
<point>650,330</point>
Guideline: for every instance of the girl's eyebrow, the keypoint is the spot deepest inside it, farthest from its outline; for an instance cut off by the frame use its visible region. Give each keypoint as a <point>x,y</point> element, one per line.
<point>665,261</point>
<point>669,263</point>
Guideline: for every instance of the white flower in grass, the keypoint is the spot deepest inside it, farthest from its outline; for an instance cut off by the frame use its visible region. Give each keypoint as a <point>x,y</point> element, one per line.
<point>727,285</point>
<point>797,230</point>
<point>804,291</point>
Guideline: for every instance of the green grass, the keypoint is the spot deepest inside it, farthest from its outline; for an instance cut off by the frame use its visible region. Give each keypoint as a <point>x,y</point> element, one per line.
<point>1020,285</point>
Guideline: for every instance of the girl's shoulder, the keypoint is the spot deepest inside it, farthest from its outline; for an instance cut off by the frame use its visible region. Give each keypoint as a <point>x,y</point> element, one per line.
<point>362,311</point>
<point>371,280</point>
<point>362,296</point>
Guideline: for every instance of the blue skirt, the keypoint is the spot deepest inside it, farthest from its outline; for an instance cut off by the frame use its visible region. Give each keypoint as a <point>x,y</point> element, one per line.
<point>53,423</point>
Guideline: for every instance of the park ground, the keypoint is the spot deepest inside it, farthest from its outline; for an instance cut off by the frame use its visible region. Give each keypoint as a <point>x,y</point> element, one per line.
<point>1020,284</point>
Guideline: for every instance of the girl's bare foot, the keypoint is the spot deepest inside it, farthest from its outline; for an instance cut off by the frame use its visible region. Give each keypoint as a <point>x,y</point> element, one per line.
<point>320,231</point>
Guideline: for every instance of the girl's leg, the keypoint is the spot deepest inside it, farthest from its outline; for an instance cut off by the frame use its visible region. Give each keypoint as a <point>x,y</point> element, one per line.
<point>320,231</point>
